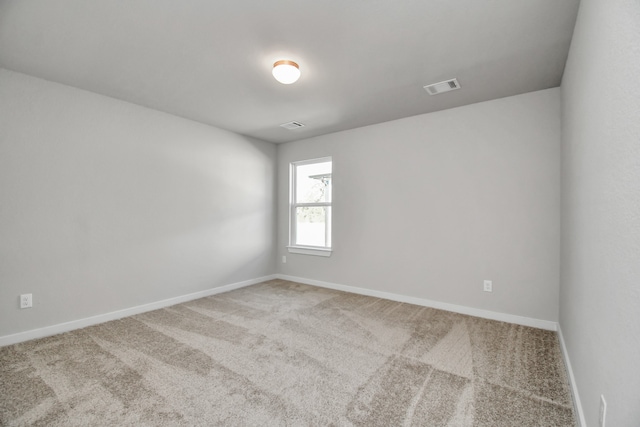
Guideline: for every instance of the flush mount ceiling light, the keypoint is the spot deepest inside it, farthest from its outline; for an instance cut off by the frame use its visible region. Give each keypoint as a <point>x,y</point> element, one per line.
<point>286,72</point>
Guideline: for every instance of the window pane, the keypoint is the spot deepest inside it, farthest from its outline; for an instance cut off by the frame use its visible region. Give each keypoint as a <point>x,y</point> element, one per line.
<point>313,183</point>
<point>313,226</point>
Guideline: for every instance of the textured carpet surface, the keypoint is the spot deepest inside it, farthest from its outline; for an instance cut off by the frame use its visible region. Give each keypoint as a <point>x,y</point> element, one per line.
<point>282,353</point>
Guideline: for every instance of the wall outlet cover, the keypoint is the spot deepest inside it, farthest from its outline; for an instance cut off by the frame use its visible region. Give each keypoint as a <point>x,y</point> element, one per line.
<point>26,301</point>
<point>488,286</point>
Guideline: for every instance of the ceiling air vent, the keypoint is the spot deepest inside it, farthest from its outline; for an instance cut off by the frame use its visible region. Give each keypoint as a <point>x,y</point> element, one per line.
<point>441,87</point>
<point>292,125</point>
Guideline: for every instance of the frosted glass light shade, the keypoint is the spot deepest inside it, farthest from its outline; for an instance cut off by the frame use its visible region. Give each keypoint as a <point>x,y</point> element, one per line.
<point>286,72</point>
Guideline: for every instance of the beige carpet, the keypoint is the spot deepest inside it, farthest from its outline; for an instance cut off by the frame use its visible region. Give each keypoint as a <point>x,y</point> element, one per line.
<point>282,353</point>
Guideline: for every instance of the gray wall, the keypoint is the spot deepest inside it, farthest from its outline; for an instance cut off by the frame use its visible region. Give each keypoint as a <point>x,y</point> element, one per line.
<point>105,205</point>
<point>600,280</point>
<point>429,206</point>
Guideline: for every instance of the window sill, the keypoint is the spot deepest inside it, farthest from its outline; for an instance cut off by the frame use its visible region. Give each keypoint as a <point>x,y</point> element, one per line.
<point>305,250</point>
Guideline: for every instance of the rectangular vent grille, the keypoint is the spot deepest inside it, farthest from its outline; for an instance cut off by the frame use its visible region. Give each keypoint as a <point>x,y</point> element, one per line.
<point>292,125</point>
<point>441,87</point>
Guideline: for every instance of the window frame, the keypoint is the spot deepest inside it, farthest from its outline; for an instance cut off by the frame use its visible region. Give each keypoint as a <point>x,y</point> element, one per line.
<point>293,205</point>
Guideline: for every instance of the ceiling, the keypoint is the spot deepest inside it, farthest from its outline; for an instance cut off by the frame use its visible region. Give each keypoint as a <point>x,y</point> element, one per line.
<point>362,62</point>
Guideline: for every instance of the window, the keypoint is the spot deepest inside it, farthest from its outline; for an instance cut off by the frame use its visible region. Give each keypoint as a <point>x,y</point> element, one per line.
<point>310,207</point>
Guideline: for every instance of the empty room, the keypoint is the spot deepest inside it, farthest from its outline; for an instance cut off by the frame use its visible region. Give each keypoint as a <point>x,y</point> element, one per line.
<point>309,213</point>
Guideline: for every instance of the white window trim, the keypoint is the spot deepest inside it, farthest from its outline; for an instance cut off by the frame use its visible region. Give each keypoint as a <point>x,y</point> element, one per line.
<point>300,249</point>
<point>309,250</point>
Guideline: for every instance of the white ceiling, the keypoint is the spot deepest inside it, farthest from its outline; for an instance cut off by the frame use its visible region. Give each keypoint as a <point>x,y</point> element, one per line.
<point>362,62</point>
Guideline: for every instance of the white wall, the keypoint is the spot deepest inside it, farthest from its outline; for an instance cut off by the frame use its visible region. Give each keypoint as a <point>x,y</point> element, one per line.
<point>429,206</point>
<point>600,280</point>
<point>106,205</point>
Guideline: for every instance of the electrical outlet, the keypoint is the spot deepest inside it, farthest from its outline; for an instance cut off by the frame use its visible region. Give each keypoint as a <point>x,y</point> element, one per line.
<point>488,286</point>
<point>284,259</point>
<point>26,301</point>
<point>603,410</point>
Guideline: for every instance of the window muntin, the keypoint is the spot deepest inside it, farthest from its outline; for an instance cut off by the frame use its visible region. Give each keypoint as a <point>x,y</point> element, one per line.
<point>310,207</point>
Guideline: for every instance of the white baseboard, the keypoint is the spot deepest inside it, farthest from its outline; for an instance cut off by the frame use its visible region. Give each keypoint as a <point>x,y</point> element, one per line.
<point>486,314</point>
<point>101,318</point>
<point>577,405</point>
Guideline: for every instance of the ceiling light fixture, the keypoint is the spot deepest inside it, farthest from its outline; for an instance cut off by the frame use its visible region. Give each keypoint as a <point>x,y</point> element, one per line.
<point>286,72</point>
